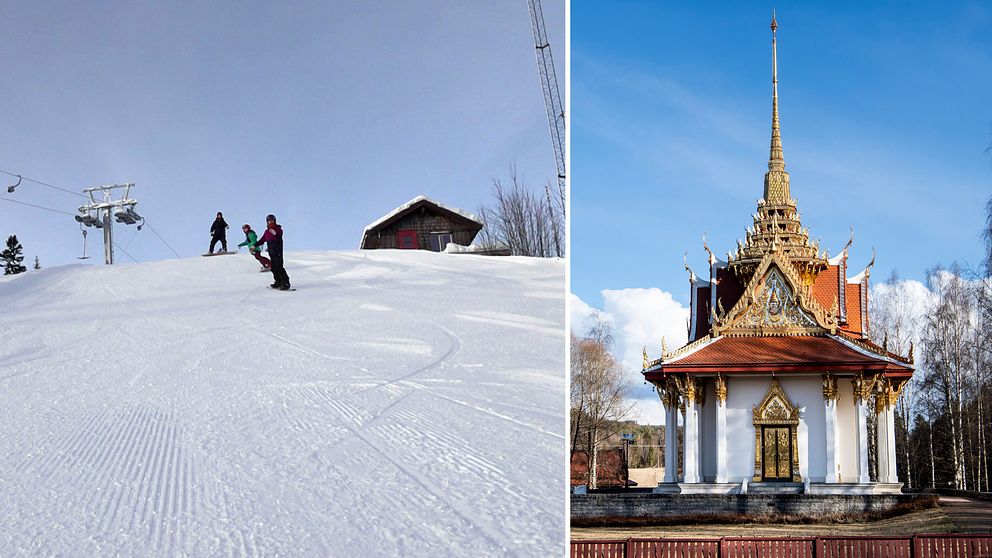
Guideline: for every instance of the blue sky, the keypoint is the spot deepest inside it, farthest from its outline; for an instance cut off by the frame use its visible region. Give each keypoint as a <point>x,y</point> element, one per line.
<point>886,115</point>
<point>328,114</point>
<point>886,112</point>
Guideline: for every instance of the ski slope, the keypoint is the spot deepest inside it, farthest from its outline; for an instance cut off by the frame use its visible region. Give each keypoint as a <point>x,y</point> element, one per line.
<point>397,404</point>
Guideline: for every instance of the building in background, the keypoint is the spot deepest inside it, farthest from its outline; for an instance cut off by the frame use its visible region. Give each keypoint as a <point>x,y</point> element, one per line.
<point>779,383</point>
<point>421,224</point>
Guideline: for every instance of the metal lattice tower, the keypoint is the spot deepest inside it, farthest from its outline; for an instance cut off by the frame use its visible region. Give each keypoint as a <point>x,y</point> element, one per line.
<point>549,84</point>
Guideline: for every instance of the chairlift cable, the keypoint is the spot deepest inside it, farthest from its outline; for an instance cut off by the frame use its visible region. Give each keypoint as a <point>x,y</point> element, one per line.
<point>4,198</point>
<point>145,223</point>
<point>43,183</point>
<point>130,240</point>
<point>118,246</point>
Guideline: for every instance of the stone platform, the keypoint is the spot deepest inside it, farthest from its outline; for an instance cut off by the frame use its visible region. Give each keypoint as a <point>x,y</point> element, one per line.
<point>713,507</point>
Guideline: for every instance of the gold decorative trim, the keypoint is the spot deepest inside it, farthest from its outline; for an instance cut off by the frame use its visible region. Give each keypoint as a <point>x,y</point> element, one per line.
<point>829,388</point>
<point>863,386</point>
<point>889,395</point>
<point>775,407</point>
<point>681,350</point>
<point>720,389</point>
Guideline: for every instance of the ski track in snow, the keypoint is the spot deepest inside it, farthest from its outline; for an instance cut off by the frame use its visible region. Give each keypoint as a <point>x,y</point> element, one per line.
<point>399,403</point>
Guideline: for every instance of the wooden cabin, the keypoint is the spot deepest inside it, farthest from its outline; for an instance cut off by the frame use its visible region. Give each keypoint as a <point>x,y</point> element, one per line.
<point>421,224</point>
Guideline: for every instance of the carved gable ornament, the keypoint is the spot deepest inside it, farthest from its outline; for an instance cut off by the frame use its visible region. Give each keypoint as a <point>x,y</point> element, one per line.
<point>776,407</point>
<point>776,302</point>
<point>776,307</point>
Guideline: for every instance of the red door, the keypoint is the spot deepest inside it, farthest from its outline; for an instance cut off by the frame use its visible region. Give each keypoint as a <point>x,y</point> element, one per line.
<point>406,240</point>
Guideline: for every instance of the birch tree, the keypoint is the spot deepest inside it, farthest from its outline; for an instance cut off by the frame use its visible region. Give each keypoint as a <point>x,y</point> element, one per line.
<point>948,342</point>
<point>599,393</point>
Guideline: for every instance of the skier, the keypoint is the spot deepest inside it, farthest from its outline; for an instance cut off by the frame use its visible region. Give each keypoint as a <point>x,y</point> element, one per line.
<point>218,231</point>
<point>273,237</point>
<point>250,240</point>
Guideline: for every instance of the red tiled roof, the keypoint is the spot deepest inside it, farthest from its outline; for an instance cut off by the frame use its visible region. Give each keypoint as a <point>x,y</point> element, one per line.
<point>852,295</point>
<point>871,346</point>
<point>782,354</point>
<point>825,286</point>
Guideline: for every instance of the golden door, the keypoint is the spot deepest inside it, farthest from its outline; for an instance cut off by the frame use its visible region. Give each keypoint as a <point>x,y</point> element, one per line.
<point>776,442</point>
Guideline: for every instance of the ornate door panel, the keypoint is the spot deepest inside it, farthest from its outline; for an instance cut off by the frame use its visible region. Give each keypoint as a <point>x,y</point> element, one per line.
<point>776,453</point>
<point>776,422</point>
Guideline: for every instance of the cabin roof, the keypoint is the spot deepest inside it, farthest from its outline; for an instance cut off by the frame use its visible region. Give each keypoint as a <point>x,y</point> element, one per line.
<point>415,203</point>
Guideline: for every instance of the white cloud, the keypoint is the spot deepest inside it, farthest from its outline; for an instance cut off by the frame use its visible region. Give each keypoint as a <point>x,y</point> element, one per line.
<point>583,317</point>
<point>639,318</point>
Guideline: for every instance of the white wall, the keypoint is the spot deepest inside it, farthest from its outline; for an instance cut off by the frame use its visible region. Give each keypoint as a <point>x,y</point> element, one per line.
<point>808,392</point>
<point>743,393</point>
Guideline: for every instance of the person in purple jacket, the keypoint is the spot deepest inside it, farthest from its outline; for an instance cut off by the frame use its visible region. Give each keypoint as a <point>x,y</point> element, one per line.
<point>273,237</point>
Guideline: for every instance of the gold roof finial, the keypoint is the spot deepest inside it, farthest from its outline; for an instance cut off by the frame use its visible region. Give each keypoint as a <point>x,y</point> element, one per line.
<point>776,179</point>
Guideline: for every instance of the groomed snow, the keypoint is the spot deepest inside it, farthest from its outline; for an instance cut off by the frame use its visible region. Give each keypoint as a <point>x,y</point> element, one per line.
<point>398,404</point>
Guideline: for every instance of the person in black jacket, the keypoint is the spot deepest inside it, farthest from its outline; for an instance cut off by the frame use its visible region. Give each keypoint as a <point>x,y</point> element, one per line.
<point>273,237</point>
<point>218,231</point>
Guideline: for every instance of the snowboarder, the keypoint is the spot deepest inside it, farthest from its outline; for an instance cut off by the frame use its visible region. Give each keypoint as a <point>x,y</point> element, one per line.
<point>218,231</point>
<point>250,239</point>
<point>273,238</point>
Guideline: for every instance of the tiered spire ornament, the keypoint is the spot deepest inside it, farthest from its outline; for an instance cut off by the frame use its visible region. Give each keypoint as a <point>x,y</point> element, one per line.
<point>776,223</point>
<point>776,179</point>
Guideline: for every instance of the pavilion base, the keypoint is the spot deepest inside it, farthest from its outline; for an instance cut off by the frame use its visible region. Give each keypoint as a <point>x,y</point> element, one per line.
<point>812,488</point>
<point>854,488</point>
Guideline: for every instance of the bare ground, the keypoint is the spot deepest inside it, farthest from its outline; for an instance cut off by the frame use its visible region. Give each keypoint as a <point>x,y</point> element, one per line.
<point>953,515</point>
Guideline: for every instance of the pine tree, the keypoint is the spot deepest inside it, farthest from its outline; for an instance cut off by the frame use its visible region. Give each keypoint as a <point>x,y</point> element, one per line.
<point>12,257</point>
<point>37,264</point>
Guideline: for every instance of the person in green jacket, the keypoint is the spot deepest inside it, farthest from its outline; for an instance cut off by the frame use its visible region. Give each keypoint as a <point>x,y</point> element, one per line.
<point>250,239</point>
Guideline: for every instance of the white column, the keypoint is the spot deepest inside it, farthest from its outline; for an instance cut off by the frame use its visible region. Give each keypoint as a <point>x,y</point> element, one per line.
<point>720,389</point>
<point>861,420</point>
<point>802,440</point>
<point>690,467</point>
<point>887,446</point>
<point>830,412</point>
<point>671,438</point>
<point>881,440</point>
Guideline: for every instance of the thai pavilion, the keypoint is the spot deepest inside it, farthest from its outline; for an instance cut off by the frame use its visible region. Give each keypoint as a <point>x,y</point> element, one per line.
<point>779,377</point>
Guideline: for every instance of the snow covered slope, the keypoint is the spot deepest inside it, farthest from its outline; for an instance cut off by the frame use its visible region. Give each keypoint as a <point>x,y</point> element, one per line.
<point>397,404</point>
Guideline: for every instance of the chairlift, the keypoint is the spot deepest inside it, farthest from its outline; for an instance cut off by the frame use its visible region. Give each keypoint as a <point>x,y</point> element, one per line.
<point>125,216</point>
<point>10,189</point>
<point>84,256</point>
<point>87,218</point>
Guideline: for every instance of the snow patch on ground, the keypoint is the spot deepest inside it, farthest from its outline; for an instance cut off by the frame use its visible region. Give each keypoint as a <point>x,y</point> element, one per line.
<point>397,404</point>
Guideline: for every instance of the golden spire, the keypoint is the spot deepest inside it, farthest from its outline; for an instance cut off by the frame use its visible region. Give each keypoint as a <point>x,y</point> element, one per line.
<point>776,224</point>
<point>776,179</point>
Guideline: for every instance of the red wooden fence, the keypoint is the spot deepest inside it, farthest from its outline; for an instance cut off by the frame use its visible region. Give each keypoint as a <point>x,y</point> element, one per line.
<point>916,546</point>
